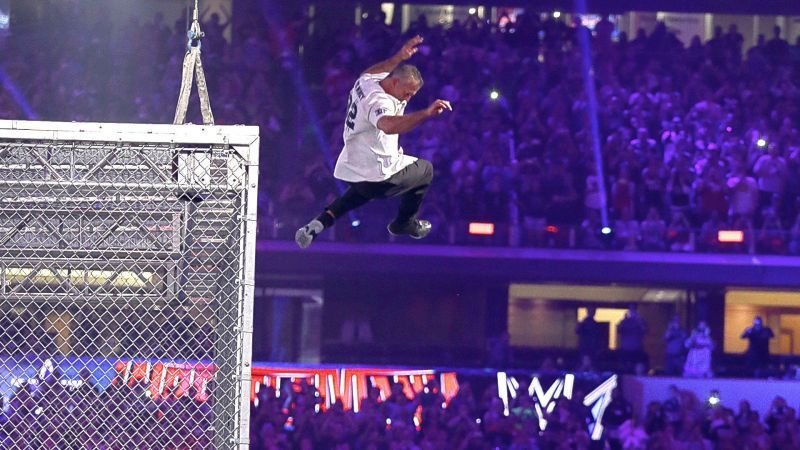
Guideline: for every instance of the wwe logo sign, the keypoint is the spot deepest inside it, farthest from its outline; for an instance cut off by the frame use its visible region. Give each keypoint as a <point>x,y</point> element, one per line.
<point>545,400</point>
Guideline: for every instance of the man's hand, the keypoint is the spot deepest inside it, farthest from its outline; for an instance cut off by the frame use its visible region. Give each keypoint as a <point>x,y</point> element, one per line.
<point>406,52</point>
<point>438,107</point>
<point>409,48</point>
<point>406,123</point>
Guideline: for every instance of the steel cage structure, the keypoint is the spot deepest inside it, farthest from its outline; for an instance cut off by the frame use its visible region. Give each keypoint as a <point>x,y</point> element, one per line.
<point>127,257</point>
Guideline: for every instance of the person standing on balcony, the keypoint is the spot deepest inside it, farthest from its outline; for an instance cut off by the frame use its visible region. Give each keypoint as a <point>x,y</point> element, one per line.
<point>700,345</point>
<point>675,350</point>
<point>758,350</point>
<point>630,333</point>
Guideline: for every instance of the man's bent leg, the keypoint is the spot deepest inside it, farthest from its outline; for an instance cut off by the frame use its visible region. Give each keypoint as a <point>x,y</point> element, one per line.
<point>350,200</point>
<point>411,184</point>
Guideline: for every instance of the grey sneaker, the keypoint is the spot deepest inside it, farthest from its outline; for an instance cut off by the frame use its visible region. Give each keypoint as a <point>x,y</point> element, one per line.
<point>417,229</point>
<point>305,235</point>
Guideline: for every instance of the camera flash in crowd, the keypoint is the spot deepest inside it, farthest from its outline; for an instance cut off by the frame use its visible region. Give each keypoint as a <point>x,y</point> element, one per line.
<point>494,94</point>
<point>761,142</point>
<point>713,398</point>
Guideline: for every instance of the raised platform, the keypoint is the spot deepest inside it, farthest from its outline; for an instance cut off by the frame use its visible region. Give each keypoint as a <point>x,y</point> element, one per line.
<point>507,265</point>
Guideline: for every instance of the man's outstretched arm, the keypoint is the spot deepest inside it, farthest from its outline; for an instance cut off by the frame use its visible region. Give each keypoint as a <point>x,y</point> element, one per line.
<point>407,51</point>
<point>404,124</point>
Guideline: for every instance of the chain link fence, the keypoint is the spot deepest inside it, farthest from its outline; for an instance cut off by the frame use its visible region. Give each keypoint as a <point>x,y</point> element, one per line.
<point>126,276</point>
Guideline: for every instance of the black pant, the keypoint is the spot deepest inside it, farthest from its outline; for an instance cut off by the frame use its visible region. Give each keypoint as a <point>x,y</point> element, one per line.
<point>411,184</point>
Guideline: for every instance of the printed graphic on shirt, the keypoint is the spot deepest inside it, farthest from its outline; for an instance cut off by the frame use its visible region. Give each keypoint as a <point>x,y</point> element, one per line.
<point>352,112</point>
<point>352,106</point>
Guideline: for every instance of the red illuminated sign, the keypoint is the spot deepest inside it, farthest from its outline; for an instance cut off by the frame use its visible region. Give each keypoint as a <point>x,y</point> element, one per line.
<point>481,228</point>
<point>735,236</point>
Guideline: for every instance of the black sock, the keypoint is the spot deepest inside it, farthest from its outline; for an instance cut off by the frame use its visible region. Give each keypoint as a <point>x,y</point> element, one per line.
<point>326,218</point>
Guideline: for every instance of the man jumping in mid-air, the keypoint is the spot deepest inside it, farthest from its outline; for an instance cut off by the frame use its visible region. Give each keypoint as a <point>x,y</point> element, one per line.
<point>372,162</point>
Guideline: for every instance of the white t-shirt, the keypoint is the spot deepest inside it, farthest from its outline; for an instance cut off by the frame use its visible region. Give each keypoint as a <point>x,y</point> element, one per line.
<point>369,154</point>
<point>744,198</point>
<point>770,172</point>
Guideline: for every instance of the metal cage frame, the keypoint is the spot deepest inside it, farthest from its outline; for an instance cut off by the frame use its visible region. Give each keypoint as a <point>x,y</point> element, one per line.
<point>132,224</point>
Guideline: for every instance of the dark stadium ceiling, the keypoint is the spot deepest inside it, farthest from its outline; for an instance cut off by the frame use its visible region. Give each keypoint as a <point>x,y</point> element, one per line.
<point>763,7</point>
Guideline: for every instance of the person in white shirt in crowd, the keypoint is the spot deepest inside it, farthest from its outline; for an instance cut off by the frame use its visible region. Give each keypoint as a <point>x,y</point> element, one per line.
<point>653,231</point>
<point>772,173</point>
<point>626,229</point>
<point>743,193</point>
<point>372,162</point>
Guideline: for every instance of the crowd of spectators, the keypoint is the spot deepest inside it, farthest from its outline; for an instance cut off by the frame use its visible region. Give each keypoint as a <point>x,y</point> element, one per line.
<point>77,61</point>
<point>682,421</point>
<point>693,139</point>
<point>477,420</point>
<point>50,414</point>
<point>47,414</point>
<point>689,353</point>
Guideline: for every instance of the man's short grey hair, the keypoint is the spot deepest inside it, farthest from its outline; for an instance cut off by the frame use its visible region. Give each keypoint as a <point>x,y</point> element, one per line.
<point>407,71</point>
